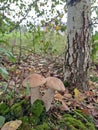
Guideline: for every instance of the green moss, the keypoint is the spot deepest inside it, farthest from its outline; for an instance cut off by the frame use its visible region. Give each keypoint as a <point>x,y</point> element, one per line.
<point>25,126</point>
<point>25,102</point>
<point>90,126</point>
<point>78,121</point>
<point>70,121</point>
<point>43,126</point>
<point>4,109</point>
<point>37,108</point>
<point>26,106</point>
<point>20,108</point>
<point>38,112</point>
<point>25,123</point>
<point>88,120</point>
<point>34,120</point>
<point>24,119</point>
<point>16,110</point>
<point>79,115</point>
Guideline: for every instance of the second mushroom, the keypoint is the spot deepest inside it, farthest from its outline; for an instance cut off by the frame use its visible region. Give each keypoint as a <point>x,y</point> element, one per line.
<point>53,84</point>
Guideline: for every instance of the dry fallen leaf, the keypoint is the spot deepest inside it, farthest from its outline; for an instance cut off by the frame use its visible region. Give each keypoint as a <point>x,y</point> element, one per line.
<point>58,97</point>
<point>67,95</point>
<point>1,93</point>
<point>78,95</point>
<point>11,125</point>
<point>64,106</point>
<point>90,106</point>
<point>85,111</point>
<point>91,83</point>
<point>89,94</point>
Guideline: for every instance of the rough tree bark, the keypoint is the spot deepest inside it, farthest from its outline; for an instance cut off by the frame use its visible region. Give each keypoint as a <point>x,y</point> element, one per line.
<point>77,55</point>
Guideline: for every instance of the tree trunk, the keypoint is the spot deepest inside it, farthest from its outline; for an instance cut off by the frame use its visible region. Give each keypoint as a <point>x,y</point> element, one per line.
<point>77,55</point>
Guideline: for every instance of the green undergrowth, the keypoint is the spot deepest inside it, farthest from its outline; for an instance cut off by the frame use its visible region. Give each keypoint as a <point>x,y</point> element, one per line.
<point>76,120</point>
<point>94,79</point>
<point>35,117</point>
<point>95,48</point>
<point>35,42</point>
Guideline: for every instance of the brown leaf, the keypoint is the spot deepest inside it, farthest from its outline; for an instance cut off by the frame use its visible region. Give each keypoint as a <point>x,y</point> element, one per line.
<point>78,95</point>
<point>64,106</point>
<point>58,97</point>
<point>89,93</point>
<point>95,100</point>
<point>91,83</point>
<point>85,111</point>
<point>90,106</point>
<point>67,95</point>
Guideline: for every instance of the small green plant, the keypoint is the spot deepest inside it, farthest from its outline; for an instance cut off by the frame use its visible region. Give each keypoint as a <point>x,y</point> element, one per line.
<point>4,52</point>
<point>3,72</point>
<point>46,47</point>
<point>95,47</point>
<point>8,54</point>
<point>94,79</point>
<point>2,120</point>
<point>95,51</point>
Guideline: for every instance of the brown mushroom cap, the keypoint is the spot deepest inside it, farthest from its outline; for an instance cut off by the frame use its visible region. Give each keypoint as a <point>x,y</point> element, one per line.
<point>34,80</point>
<point>55,83</point>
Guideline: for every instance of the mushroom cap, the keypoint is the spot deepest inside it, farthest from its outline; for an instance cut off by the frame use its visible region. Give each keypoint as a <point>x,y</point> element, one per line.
<point>55,83</point>
<point>34,80</point>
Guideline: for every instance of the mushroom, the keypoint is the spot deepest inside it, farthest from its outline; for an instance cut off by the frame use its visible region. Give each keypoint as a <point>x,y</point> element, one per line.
<point>52,84</point>
<point>34,81</point>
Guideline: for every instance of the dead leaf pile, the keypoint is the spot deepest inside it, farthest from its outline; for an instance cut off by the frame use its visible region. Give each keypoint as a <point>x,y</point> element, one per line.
<point>52,66</point>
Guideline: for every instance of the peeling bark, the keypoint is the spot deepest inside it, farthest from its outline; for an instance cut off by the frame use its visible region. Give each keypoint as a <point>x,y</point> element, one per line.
<point>77,54</point>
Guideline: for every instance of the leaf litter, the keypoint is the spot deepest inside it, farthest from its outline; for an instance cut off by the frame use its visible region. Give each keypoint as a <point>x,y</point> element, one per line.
<point>51,66</point>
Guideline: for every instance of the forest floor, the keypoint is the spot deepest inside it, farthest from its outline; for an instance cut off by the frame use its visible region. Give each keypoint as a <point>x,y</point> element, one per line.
<point>52,66</point>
